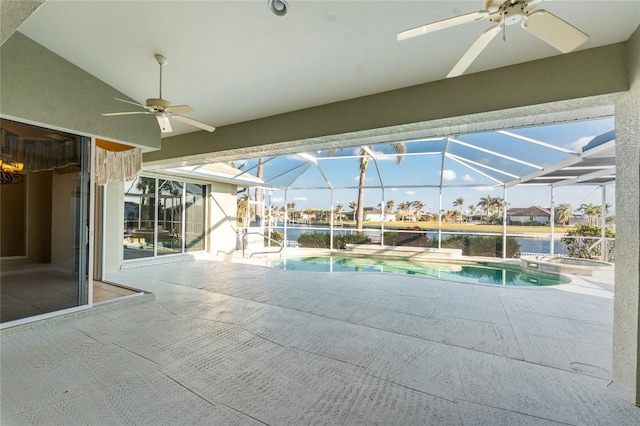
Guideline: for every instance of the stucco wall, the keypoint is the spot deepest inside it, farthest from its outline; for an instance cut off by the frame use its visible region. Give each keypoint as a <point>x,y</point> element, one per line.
<point>40,87</point>
<point>626,329</point>
<point>223,202</point>
<point>113,230</point>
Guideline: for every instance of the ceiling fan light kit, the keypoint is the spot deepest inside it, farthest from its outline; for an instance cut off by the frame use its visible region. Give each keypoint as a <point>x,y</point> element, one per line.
<point>163,109</point>
<point>541,23</point>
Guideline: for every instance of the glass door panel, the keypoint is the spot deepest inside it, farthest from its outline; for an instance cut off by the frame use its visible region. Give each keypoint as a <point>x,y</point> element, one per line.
<point>195,217</point>
<point>170,212</point>
<point>139,218</point>
<point>44,269</point>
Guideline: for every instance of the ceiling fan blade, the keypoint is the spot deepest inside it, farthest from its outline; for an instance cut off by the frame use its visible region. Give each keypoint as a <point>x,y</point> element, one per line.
<point>441,25</point>
<point>473,52</point>
<point>193,122</point>
<point>109,114</point>
<point>163,121</point>
<point>554,31</point>
<point>180,109</point>
<point>129,102</point>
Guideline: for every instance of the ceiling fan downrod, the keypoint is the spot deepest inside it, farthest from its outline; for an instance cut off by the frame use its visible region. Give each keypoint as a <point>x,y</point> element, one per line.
<point>162,61</point>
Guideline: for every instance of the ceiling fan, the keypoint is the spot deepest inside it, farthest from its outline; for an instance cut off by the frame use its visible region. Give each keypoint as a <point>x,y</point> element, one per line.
<point>541,23</point>
<point>164,109</point>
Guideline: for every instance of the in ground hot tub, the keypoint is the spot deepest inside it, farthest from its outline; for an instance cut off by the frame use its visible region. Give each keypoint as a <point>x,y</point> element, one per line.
<point>568,265</point>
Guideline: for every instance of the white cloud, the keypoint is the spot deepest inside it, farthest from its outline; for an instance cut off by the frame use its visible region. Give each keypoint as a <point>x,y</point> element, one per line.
<point>448,175</point>
<point>393,189</point>
<point>467,178</point>
<point>410,193</point>
<point>300,199</point>
<point>579,143</point>
<point>484,188</point>
<point>277,199</point>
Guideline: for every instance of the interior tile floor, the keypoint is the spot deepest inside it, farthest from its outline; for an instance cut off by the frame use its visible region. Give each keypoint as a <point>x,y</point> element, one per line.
<point>103,292</point>
<point>228,343</point>
<point>42,290</point>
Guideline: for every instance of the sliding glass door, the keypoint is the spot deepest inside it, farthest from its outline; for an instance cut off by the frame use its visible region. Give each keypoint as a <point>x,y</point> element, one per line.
<point>44,202</point>
<point>163,217</point>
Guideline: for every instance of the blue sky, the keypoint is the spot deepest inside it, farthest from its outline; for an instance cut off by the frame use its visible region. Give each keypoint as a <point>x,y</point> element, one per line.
<point>399,180</point>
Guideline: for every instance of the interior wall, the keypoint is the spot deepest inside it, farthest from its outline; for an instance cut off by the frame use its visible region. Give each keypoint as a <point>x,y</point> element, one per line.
<point>223,204</point>
<point>38,221</point>
<point>64,185</point>
<point>13,219</point>
<point>40,198</point>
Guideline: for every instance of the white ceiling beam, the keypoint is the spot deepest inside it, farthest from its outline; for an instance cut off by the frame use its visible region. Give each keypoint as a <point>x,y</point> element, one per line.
<point>587,177</point>
<point>497,154</point>
<point>474,169</point>
<point>574,161</point>
<point>537,142</point>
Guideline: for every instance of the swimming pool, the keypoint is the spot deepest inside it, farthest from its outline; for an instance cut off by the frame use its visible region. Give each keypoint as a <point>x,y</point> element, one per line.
<point>479,273</point>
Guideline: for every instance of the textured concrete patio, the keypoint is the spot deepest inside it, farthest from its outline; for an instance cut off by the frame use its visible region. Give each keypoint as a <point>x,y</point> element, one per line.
<point>228,343</point>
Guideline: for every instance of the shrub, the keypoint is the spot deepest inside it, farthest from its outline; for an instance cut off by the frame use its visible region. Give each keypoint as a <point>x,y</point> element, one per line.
<point>584,248</point>
<point>481,245</point>
<point>322,240</point>
<point>314,240</point>
<point>341,241</point>
<point>410,239</point>
<point>275,236</point>
<point>454,242</point>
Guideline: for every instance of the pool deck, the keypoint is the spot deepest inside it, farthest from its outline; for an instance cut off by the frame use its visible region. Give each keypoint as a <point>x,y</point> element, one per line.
<point>227,342</point>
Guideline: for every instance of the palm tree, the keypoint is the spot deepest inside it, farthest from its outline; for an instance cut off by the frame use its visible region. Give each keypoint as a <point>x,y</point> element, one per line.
<point>591,211</point>
<point>259,191</point>
<point>472,210</point>
<point>563,214</point>
<point>389,206</point>
<point>497,207</point>
<point>353,205</point>
<point>292,208</point>
<point>403,208</point>
<point>498,204</point>
<point>459,202</point>
<point>485,204</point>
<point>339,210</point>
<point>417,207</point>
<point>399,149</point>
<point>243,202</point>
<point>452,215</point>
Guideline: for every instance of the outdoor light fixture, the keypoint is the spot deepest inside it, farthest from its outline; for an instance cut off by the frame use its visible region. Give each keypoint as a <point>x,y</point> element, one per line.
<point>278,7</point>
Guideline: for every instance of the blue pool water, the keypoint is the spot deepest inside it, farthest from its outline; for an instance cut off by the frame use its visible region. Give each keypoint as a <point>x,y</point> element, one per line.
<point>477,273</point>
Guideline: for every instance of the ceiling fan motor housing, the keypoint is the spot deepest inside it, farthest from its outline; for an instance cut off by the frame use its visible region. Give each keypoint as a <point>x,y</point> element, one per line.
<point>511,12</point>
<point>158,104</point>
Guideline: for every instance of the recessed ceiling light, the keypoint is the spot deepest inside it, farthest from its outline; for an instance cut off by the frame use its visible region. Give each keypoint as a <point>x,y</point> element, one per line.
<point>278,7</point>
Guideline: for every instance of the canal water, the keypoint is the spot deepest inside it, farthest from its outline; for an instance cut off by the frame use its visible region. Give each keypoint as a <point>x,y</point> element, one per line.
<point>540,244</point>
